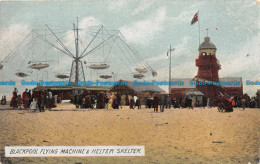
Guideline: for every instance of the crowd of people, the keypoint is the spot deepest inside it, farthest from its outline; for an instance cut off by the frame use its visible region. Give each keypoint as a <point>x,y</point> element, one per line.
<point>3,100</point>
<point>43,99</point>
<point>36,100</point>
<point>160,101</point>
<point>86,99</point>
<point>101,101</point>
<point>164,101</point>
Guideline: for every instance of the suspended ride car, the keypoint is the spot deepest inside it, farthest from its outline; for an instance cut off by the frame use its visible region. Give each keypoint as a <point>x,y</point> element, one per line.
<point>21,74</point>
<point>39,66</point>
<point>138,76</point>
<point>141,70</point>
<point>62,76</point>
<point>154,73</point>
<point>98,66</point>
<point>105,76</point>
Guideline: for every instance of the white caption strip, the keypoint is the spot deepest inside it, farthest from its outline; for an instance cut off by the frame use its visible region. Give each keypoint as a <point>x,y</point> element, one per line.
<point>73,151</point>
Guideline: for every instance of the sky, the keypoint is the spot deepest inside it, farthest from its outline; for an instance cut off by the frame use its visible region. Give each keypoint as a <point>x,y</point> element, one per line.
<point>147,25</point>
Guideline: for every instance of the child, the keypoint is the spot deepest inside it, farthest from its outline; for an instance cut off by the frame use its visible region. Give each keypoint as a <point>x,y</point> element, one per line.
<point>34,105</point>
<point>19,102</point>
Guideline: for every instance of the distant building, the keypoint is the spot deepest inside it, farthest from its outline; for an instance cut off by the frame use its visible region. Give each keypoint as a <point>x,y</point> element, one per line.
<point>66,92</point>
<point>141,91</point>
<point>232,90</point>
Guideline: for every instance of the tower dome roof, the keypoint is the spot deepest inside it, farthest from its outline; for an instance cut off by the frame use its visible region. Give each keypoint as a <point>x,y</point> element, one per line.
<point>207,44</point>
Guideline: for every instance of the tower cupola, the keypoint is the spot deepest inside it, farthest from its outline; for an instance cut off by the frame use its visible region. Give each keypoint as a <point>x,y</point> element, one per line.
<point>207,44</point>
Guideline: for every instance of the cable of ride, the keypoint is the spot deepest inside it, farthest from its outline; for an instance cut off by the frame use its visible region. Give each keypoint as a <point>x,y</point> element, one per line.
<point>11,55</point>
<point>144,66</point>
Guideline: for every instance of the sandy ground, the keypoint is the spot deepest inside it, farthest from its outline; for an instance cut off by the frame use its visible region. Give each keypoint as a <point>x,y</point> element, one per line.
<point>175,136</point>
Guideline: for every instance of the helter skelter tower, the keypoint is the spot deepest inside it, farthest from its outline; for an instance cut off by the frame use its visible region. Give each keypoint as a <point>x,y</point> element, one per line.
<point>208,67</point>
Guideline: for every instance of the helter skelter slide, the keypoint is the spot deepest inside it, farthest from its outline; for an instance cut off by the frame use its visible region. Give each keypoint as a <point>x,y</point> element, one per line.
<point>221,99</point>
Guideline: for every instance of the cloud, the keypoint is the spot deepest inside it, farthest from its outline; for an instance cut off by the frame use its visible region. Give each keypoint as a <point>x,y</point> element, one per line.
<point>179,49</point>
<point>243,62</point>
<point>117,5</point>
<point>182,46</point>
<point>11,37</point>
<point>187,14</point>
<point>89,22</point>
<point>250,19</point>
<point>144,5</point>
<point>246,56</point>
<point>142,32</point>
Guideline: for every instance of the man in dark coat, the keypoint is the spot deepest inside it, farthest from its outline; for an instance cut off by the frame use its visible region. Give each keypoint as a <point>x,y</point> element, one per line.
<point>162,103</point>
<point>155,103</point>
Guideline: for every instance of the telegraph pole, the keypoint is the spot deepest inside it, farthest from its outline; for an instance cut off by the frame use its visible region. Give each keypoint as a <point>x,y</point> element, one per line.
<point>170,67</point>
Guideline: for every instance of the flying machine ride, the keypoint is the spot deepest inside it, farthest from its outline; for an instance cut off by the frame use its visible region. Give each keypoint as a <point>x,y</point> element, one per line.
<point>138,76</point>
<point>21,74</point>
<point>107,46</point>
<point>105,76</point>
<point>141,70</point>
<point>98,66</point>
<point>39,66</point>
<point>62,76</point>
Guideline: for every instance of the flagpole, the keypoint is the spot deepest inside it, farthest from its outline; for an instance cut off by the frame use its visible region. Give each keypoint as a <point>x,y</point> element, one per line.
<point>199,26</point>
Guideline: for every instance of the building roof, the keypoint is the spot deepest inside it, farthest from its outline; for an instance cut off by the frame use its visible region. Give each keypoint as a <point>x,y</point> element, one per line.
<point>232,79</point>
<point>194,92</point>
<point>66,87</point>
<point>145,88</point>
<point>207,44</point>
<point>187,83</point>
<point>138,88</point>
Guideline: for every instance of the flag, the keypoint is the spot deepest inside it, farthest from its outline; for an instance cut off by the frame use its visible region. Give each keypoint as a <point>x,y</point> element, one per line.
<point>195,18</point>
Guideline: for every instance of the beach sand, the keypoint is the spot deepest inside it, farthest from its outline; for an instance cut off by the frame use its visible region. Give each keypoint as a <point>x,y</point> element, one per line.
<point>175,136</point>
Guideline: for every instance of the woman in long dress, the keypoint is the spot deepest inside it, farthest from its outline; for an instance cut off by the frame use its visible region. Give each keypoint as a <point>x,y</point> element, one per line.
<point>13,102</point>
<point>25,98</point>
